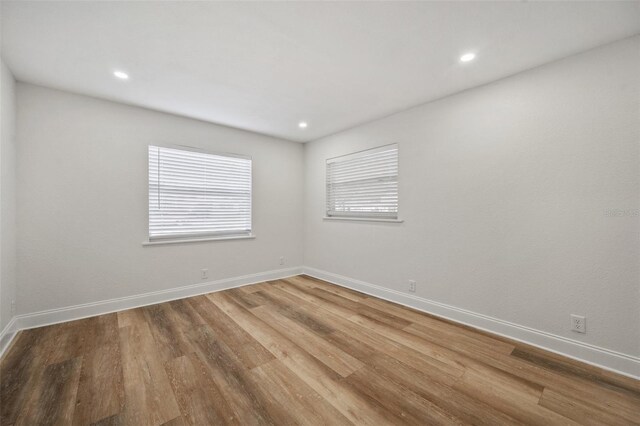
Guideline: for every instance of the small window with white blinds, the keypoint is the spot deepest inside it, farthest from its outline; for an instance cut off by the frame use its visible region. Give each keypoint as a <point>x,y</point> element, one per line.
<point>364,184</point>
<point>195,194</point>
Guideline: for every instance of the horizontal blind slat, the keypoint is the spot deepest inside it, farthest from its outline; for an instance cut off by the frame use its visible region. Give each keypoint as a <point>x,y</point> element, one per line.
<point>363,184</point>
<point>194,193</point>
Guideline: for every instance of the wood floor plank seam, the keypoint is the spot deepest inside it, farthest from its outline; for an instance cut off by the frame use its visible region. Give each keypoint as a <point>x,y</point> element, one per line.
<point>314,373</point>
<point>295,351</point>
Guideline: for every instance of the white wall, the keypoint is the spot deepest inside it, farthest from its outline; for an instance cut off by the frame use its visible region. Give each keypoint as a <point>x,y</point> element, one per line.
<point>7,195</point>
<point>82,201</point>
<point>503,190</point>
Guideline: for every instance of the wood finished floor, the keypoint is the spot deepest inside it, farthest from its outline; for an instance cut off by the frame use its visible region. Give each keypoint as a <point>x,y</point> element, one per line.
<point>295,351</point>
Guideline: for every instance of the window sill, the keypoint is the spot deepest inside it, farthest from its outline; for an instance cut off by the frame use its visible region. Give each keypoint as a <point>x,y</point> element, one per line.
<point>197,240</point>
<point>363,219</point>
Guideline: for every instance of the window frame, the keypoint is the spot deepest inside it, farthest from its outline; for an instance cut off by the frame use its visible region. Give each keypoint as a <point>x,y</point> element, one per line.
<point>364,217</point>
<point>198,236</point>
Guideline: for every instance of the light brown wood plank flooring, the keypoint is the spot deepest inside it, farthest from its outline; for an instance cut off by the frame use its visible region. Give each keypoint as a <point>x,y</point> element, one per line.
<point>295,351</point>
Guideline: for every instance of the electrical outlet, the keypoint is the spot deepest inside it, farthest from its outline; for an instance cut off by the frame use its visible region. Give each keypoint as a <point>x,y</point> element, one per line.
<point>282,260</point>
<point>204,274</point>
<point>578,324</point>
<point>412,286</point>
<point>13,307</point>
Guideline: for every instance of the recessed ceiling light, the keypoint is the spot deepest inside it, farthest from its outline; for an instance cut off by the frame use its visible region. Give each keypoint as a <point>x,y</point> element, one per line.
<point>467,57</point>
<point>302,124</point>
<point>121,75</point>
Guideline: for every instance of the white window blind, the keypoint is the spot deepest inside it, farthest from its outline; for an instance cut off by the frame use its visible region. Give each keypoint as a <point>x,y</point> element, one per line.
<point>364,184</point>
<point>193,194</point>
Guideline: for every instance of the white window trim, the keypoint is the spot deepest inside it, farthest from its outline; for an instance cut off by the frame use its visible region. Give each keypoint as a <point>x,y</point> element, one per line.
<point>362,219</point>
<point>196,238</point>
<point>160,242</point>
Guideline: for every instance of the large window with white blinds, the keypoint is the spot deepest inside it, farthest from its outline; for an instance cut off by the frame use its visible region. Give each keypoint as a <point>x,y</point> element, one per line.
<point>196,194</point>
<point>364,184</point>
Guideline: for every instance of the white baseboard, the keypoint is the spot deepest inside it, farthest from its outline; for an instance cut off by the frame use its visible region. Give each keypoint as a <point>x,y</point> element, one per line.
<point>7,335</point>
<point>70,313</point>
<point>625,364</point>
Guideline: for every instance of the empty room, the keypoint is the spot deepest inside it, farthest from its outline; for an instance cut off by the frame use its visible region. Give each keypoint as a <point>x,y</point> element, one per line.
<point>319,213</point>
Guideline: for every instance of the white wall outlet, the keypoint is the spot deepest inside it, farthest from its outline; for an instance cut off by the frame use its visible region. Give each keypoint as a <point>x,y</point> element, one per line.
<point>412,286</point>
<point>282,260</point>
<point>204,274</point>
<point>578,324</point>
<point>13,307</point>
